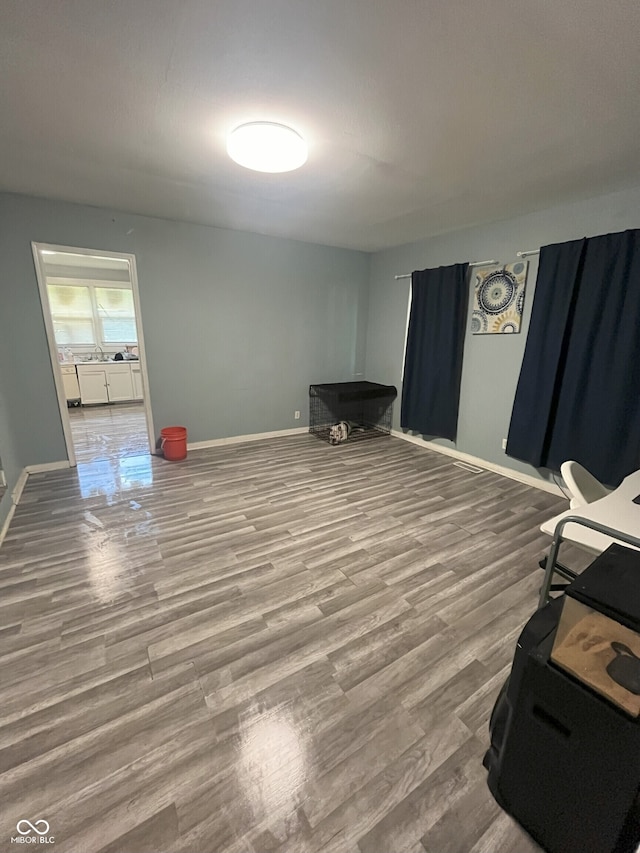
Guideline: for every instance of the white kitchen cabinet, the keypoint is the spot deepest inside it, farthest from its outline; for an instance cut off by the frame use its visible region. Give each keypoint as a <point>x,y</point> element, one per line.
<point>70,382</point>
<point>112,382</point>
<point>136,380</point>
<point>119,384</point>
<point>93,385</point>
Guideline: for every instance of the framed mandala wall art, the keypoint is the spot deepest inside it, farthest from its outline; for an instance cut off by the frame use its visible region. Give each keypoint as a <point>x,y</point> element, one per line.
<point>499,300</point>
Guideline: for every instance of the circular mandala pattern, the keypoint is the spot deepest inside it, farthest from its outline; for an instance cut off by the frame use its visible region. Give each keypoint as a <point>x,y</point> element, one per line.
<point>520,302</point>
<point>497,292</point>
<point>479,323</point>
<point>507,324</point>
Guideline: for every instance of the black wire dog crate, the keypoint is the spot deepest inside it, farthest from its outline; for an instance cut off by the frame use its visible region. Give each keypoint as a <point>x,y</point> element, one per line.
<point>366,406</point>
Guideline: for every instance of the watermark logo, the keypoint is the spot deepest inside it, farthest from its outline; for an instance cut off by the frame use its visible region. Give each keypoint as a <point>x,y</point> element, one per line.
<point>32,827</point>
<point>33,833</point>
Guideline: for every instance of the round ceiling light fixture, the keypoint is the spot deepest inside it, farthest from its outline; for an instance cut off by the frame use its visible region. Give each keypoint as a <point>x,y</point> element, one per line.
<point>265,146</point>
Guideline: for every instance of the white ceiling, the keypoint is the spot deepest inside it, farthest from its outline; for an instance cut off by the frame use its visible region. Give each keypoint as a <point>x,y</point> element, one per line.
<point>421,115</point>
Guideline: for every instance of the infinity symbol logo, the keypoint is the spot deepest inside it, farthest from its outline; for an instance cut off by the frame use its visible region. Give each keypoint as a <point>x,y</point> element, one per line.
<point>32,827</point>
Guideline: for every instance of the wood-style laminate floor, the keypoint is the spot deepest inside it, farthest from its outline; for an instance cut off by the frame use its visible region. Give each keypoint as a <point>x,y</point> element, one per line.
<point>276,646</point>
<point>108,432</point>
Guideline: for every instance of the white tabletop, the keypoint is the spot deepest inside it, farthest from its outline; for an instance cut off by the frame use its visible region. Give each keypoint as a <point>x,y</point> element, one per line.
<point>616,511</point>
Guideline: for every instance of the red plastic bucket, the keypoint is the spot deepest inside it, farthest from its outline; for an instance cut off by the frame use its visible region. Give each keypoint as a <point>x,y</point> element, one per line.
<point>174,442</point>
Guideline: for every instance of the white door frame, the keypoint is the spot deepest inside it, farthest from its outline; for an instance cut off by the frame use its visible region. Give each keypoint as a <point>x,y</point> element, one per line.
<point>37,248</point>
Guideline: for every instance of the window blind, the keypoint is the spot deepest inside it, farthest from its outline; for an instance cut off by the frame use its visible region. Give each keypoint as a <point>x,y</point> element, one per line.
<point>87,315</point>
<point>72,314</point>
<point>117,315</point>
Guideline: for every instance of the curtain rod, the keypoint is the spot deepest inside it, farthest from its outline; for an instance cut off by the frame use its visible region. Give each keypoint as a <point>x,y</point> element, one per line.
<point>474,264</point>
<point>526,254</point>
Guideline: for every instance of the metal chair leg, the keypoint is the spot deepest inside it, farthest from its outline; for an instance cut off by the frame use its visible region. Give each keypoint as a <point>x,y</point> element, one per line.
<point>550,564</point>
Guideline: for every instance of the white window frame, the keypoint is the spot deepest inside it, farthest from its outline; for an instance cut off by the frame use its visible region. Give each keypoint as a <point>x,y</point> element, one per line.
<point>92,284</point>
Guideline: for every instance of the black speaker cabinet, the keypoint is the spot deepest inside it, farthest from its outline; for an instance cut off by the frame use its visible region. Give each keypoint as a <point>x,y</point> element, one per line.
<point>564,761</point>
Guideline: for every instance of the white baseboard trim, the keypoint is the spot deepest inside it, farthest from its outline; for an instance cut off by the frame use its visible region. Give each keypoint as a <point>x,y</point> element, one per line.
<point>241,439</point>
<point>16,494</point>
<point>21,482</point>
<point>7,522</point>
<point>527,479</point>
<point>43,467</point>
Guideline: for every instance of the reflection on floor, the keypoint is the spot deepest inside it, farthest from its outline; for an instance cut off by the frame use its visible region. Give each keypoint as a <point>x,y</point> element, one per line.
<point>275,646</point>
<point>111,477</point>
<point>109,432</point>
<point>112,449</point>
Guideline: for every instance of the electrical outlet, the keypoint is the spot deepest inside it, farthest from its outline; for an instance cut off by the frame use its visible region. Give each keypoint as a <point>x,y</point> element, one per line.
<point>296,415</point>
<point>504,443</point>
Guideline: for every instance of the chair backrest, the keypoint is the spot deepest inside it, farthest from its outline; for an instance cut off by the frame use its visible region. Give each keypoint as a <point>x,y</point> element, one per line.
<point>583,486</point>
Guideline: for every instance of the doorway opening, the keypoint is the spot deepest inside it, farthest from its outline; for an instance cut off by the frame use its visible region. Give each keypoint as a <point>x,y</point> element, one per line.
<point>91,309</point>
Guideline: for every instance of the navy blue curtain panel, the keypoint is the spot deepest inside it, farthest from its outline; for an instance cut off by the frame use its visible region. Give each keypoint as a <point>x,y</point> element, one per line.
<point>578,395</point>
<point>433,358</point>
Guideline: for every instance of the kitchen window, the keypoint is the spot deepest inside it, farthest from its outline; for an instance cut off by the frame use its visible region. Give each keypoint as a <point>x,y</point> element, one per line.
<point>116,315</point>
<point>92,314</point>
<point>72,314</point>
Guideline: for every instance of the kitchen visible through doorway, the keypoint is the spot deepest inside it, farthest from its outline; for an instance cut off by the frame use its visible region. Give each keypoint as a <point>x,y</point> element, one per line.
<point>92,314</point>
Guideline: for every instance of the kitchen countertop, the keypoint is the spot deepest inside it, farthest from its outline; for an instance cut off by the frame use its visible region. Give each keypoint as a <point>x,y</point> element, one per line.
<point>96,363</point>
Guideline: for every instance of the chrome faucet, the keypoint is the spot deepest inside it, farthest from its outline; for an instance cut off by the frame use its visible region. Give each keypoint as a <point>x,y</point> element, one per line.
<point>101,356</point>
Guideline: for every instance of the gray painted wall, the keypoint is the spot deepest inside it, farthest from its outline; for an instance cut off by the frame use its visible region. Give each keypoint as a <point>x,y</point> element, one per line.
<point>236,325</point>
<point>491,362</point>
<point>11,462</point>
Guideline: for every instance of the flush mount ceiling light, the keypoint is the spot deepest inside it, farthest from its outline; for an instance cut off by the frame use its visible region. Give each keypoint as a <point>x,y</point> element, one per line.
<point>267,147</point>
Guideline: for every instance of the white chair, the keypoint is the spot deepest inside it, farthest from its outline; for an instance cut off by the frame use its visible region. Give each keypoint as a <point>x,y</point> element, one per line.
<point>583,486</point>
